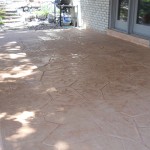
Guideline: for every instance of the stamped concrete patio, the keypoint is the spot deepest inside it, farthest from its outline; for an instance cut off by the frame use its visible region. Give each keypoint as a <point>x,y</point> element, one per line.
<point>73,90</point>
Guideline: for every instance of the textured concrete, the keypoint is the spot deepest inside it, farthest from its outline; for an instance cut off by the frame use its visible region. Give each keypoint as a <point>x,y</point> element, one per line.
<point>130,38</point>
<point>73,90</point>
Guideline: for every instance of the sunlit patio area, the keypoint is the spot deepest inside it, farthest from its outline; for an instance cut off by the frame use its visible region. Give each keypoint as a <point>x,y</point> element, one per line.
<point>73,89</point>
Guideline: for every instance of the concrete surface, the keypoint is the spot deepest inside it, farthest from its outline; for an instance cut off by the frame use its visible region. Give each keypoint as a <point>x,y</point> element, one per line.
<point>73,90</point>
<point>139,40</point>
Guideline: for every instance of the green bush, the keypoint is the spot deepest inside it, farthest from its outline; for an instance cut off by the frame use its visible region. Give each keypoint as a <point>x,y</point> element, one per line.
<point>2,13</point>
<point>41,13</point>
<point>2,16</point>
<point>44,11</point>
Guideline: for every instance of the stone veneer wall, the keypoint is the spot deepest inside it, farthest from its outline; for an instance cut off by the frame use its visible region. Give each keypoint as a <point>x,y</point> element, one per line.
<point>95,13</point>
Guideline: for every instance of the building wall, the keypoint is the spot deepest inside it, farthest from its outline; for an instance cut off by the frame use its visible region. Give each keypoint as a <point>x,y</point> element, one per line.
<point>95,13</point>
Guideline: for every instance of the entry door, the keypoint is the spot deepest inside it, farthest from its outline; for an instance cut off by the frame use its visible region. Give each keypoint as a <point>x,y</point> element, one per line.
<point>122,13</point>
<point>142,18</point>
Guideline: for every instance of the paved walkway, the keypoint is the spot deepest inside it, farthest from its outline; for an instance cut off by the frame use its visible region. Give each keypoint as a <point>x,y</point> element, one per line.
<point>73,90</point>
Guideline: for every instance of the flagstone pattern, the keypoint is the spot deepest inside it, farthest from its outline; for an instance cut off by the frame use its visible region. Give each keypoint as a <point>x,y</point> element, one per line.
<point>73,90</point>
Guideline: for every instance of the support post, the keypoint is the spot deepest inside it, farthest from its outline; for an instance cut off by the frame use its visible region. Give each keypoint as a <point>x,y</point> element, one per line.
<point>60,16</point>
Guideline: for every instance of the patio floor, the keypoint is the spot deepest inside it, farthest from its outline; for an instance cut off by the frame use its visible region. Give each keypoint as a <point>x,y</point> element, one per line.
<point>73,90</point>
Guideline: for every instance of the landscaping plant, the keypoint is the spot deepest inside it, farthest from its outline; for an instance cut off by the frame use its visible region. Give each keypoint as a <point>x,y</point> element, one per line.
<point>2,16</point>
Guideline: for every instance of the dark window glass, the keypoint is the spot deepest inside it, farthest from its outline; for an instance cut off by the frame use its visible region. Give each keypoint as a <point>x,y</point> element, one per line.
<point>123,10</point>
<point>143,14</point>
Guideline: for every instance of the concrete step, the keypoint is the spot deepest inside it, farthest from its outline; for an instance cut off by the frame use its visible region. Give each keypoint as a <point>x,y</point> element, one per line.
<point>11,14</point>
<point>2,6</point>
<point>11,20</point>
<point>11,17</point>
<point>10,11</point>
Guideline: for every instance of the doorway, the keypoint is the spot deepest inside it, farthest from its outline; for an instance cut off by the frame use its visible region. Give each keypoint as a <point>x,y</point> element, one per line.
<point>131,16</point>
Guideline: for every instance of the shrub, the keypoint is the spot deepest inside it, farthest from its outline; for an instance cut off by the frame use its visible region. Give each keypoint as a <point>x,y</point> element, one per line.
<point>2,16</point>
